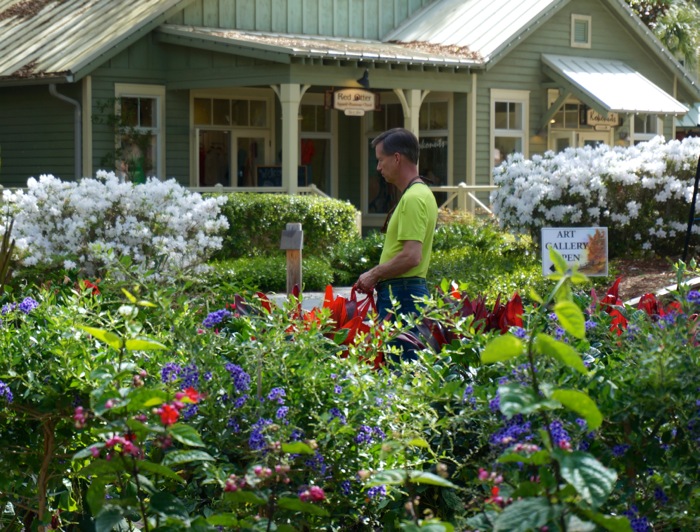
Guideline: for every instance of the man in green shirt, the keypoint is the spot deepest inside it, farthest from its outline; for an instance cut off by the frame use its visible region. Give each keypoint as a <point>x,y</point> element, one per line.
<point>409,228</point>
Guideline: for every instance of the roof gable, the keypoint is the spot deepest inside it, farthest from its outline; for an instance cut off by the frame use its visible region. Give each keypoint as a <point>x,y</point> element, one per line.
<point>65,39</point>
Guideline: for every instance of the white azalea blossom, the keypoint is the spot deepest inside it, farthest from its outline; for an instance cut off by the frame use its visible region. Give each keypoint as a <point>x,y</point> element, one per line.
<point>91,223</point>
<point>633,190</point>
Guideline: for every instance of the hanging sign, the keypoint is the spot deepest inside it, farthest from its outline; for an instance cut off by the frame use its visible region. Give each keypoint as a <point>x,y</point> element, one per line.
<point>585,247</point>
<point>355,102</point>
<point>594,118</point>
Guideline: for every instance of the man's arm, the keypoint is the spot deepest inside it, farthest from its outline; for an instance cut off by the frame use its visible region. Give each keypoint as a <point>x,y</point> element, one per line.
<point>409,257</point>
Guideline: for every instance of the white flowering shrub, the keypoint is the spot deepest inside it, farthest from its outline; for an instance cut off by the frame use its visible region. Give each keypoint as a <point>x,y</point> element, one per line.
<point>641,193</point>
<point>88,224</point>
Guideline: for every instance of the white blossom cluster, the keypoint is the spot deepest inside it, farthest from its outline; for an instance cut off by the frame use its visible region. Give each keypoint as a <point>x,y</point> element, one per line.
<point>87,224</point>
<point>647,188</point>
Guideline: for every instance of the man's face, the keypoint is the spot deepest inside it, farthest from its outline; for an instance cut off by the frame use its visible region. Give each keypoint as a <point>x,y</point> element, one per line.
<point>387,164</point>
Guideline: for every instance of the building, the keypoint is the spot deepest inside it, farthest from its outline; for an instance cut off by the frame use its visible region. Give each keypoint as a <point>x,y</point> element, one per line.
<point>276,95</point>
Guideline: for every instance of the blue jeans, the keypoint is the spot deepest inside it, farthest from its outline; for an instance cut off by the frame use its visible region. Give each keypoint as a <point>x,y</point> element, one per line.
<point>404,291</point>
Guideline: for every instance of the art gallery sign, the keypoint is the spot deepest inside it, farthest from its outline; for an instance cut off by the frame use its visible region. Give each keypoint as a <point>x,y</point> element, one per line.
<point>585,247</point>
<point>353,102</point>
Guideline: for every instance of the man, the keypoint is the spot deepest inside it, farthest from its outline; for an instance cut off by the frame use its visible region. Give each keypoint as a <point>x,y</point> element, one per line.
<point>409,227</point>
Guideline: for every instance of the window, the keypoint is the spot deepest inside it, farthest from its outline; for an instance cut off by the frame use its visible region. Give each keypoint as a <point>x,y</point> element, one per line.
<point>434,143</point>
<point>509,119</point>
<point>580,31</point>
<point>646,127</point>
<point>567,117</point>
<point>233,141</point>
<point>316,123</point>
<point>140,143</point>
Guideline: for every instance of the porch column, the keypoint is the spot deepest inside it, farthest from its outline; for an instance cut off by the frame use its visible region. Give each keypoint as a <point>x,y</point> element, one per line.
<point>290,95</point>
<point>411,101</point>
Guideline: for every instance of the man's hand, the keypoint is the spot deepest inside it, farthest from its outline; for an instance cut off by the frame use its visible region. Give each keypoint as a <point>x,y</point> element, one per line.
<point>366,282</point>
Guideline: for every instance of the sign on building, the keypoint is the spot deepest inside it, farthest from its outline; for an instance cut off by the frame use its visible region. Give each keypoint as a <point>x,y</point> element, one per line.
<point>353,102</point>
<point>585,247</point>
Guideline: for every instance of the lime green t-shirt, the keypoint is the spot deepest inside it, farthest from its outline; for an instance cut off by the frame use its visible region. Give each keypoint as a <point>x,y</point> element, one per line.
<point>414,218</point>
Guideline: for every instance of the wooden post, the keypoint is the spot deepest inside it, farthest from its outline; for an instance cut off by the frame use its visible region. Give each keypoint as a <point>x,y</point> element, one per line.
<point>293,242</point>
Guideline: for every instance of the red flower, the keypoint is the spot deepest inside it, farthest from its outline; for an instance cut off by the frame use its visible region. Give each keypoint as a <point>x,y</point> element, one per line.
<point>85,284</point>
<point>168,414</point>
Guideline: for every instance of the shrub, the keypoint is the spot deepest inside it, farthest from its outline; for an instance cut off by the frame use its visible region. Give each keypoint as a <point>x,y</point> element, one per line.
<point>269,274</point>
<point>256,222</point>
<point>352,257</point>
<point>86,225</point>
<point>641,193</point>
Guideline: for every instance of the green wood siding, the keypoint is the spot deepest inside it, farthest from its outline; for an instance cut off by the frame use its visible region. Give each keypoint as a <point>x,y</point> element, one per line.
<point>459,139</point>
<point>36,133</point>
<point>359,19</point>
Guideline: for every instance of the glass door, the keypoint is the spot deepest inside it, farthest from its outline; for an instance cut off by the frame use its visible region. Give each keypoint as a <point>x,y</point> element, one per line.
<point>593,138</point>
<point>249,155</point>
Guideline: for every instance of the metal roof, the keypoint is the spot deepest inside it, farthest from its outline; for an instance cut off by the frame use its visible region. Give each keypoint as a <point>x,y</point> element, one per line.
<point>612,85</point>
<point>482,26</point>
<point>56,39</point>
<point>691,119</point>
<point>324,47</point>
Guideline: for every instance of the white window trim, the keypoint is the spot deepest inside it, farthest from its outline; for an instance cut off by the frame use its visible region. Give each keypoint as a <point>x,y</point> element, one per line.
<point>642,137</point>
<point>149,91</point>
<point>589,24</point>
<point>511,96</point>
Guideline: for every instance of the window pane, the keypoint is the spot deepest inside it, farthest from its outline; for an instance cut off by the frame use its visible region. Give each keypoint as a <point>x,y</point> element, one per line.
<point>316,159</point>
<point>130,111</point>
<point>505,146</point>
<point>222,112</point>
<point>438,115</point>
<point>240,112</point>
<point>433,163</point>
<point>258,113</point>
<point>501,115</point>
<point>571,112</point>
<point>308,117</point>
<point>323,119</point>
<point>147,112</point>
<point>394,116</point>
<point>424,118</point>
<point>581,31</point>
<point>214,162</point>
<point>515,116</point>
<point>202,111</point>
<point>250,153</point>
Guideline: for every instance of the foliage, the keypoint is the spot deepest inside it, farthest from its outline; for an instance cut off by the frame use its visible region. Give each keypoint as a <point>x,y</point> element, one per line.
<point>256,222</point>
<point>270,273</point>
<point>352,257</point>
<point>642,191</point>
<point>148,408</point>
<point>86,225</point>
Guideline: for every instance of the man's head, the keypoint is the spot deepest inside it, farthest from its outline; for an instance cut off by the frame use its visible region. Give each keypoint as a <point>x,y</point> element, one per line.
<point>398,140</point>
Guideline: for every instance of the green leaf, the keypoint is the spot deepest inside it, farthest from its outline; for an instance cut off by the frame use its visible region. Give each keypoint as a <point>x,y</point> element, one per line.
<point>185,457</point>
<point>290,503</point>
<point>129,295</point>
<point>560,351</point>
<point>224,520</point>
<point>87,452</point>
<point>144,303</point>
<point>502,348</point>
<point>244,497</point>
<point>142,344</point>
<point>399,476</point>
<point>166,472</point>
<point>418,442</point>
<point>519,399</point>
<point>96,495</point>
<point>527,514</point>
<point>571,318</point>
<point>146,398</point>
<point>592,480</point>
<point>102,467</point>
<point>185,435</point>
<point>108,519</point>
<point>580,403</point>
<point>103,336</point>
<point>536,458</point>
<point>613,523</point>
<point>297,447</point>
<point>168,505</point>
<point>340,336</point>
<point>558,261</point>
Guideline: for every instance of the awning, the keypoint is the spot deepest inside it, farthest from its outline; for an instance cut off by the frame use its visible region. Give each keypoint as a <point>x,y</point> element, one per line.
<point>690,120</point>
<point>611,86</point>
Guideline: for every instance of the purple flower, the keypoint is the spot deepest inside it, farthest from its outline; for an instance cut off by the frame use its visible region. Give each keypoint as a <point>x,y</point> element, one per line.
<point>6,392</point>
<point>620,449</point>
<point>28,304</point>
<point>367,434</point>
<point>516,430</point>
<point>256,440</point>
<point>338,388</point>
<point>518,332</point>
<point>241,380</point>
<point>660,495</point>
<point>337,414</point>
<point>559,433</point>
<point>239,402</point>
<point>190,376</point>
<point>189,411</point>
<point>277,394</point>
<point>170,372</point>
<point>590,324</point>
<point>346,487</point>
<point>693,296</point>
<point>233,425</point>
<point>8,307</point>
<point>214,318</point>
<point>317,463</point>
<point>282,412</point>
<point>495,403</point>
<point>377,492</point>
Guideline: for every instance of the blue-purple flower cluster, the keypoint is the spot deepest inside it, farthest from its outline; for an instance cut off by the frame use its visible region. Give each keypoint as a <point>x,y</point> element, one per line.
<point>367,434</point>
<point>241,380</point>
<point>257,441</point>
<point>5,392</point>
<point>693,297</point>
<point>335,413</point>
<point>277,394</point>
<point>516,430</point>
<point>638,523</point>
<point>170,372</point>
<point>216,317</point>
<point>377,492</point>
<point>26,306</point>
